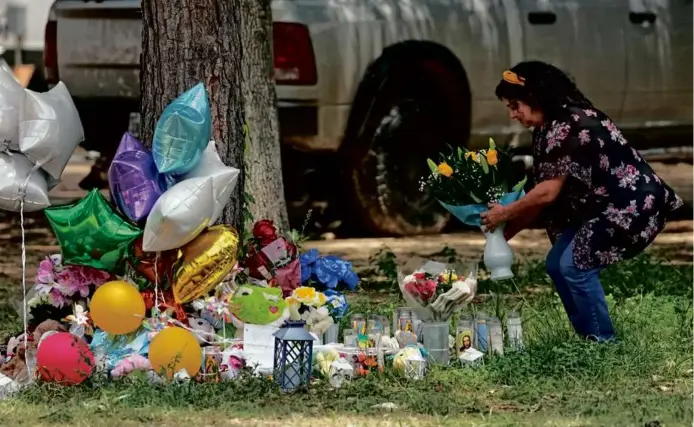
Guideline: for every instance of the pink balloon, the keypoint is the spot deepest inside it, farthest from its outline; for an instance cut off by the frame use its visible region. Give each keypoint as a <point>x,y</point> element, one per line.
<point>65,359</point>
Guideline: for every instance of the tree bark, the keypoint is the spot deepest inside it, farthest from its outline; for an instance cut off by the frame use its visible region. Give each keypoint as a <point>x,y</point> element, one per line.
<point>262,158</point>
<point>185,42</point>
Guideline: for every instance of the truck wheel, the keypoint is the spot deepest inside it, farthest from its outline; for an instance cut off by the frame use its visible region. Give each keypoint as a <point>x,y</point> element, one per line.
<point>414,116</point>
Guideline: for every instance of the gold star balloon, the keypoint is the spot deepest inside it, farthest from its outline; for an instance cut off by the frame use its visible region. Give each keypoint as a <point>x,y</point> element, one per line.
<point>91,233</point>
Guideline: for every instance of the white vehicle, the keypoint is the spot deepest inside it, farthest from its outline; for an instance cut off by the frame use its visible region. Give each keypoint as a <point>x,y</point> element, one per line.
<point>385,84</point>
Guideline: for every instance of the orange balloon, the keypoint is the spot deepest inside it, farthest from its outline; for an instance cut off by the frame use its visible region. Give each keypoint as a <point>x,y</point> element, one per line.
<point>174,349</point>
<point>117,307</point>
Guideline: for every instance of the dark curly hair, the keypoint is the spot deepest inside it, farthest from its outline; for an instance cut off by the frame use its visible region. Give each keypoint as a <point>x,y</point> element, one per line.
<point>545,88</point>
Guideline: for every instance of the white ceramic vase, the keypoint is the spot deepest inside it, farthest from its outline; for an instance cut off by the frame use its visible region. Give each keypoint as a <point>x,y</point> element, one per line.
<point>498,255</point>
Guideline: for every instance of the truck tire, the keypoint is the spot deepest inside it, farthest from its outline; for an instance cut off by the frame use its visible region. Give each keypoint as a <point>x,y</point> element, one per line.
<point>419,109</point>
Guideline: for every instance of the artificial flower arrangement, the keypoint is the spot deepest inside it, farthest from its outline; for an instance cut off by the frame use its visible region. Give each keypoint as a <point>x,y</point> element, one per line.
<point>272,257</point>
<point>309,305</point>
<point>331,275</point>
<point>59,287</point>
<point>327,272</point>
<point>465,183</point>
<point>436,291</point>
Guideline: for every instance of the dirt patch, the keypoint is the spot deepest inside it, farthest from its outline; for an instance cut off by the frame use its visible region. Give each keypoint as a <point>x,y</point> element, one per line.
<point>676,240</point>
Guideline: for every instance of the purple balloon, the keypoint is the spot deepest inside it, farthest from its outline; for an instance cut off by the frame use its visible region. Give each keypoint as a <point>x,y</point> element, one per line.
<point>129,143</point>
<point>134,180</point>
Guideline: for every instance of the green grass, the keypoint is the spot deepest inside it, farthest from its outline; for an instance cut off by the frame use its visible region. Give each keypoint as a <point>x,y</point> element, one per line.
<point>644,379</point>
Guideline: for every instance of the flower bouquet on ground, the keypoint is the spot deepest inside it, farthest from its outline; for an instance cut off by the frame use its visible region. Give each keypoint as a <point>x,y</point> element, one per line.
<point>330,275</point>
<point>327,272</point>
<point>465,183</point>
<point>308,305</point>
<point>272,257</point>
<point>436,291</point>
<point>58,287</point>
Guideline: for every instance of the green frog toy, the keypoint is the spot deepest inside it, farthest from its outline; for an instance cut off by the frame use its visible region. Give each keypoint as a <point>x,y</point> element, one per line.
<point>257,305</point>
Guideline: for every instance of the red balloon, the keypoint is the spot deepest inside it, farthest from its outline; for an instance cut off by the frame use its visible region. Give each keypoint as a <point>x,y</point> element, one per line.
<point>65,359</point>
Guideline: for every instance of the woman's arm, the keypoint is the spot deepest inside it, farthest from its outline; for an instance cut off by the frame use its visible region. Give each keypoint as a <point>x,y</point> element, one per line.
<point>519,224</point>
<point>527,208</point>
<point>544,194</point>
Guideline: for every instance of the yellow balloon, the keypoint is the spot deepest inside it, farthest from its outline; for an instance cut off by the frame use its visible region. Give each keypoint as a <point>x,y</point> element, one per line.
<point>117,307</point>
<point>174,349</point>
<point>204,262</point>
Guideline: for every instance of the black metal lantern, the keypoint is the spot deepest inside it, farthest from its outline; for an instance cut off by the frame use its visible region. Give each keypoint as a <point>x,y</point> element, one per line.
<point>293,352</point>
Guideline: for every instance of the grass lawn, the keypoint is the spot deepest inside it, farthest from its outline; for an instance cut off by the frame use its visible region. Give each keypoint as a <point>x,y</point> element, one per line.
<point>645,379</point>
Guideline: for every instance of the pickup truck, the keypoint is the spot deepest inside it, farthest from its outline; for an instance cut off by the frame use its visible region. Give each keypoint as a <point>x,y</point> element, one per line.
<point>374,87</point>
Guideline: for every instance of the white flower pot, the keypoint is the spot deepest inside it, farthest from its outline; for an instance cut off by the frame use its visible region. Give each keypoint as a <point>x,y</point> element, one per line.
<point>498,255</point>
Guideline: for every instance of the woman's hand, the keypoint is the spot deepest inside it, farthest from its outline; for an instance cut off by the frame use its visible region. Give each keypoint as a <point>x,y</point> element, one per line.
<point>494,217</point>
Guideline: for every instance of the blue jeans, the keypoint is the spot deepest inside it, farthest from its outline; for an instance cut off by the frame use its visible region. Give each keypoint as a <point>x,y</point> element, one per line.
<point>580,291</point>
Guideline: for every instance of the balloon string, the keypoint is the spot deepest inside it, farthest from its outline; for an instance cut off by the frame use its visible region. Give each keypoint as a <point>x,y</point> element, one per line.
<point>24,284</point>
<point>156,281</point>
<point>202,334</point>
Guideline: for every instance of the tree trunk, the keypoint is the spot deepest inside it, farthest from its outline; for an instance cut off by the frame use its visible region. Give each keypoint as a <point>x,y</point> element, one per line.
<point>185,42</point>
<point>262,157</point>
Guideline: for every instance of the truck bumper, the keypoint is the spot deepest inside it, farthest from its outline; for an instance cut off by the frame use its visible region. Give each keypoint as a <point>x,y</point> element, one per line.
<point>309,127</point>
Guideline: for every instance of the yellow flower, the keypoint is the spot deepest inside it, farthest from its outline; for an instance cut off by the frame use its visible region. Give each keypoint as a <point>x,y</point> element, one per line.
<point>448,276</point>
<point>445,170</point>
<point>492,157</point>
<point>292,301</point>
<point>320,299</point>
<point>474,155</point>
<point>305,294</point>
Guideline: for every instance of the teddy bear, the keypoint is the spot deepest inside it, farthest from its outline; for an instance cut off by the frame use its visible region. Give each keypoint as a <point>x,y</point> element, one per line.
<point>15,366</point>
<point>45,329</point>
<point>202,329</point>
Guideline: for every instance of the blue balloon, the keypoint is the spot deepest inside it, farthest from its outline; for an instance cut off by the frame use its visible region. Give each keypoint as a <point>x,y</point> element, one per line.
<point>470,214</point>
<point>182,132</point>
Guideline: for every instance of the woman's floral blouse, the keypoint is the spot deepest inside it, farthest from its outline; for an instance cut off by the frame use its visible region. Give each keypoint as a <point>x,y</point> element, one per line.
<point>611,197</point>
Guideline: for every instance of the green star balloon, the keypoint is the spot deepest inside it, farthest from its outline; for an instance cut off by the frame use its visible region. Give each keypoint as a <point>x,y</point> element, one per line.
<point>91,233</point>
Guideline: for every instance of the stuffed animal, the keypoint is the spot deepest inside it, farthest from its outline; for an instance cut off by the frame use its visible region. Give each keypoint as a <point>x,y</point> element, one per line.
<point>16,367</point>
<point>129,364</point>
<point>233,362</point>
<point>203,330</point>
<point>318,320</point>
<point>46,328</point>
<point>257,305</point>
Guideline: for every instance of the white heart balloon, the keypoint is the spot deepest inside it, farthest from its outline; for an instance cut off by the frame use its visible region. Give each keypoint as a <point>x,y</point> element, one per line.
<point>223,178</point>
<point>49,128</point>
<point>20,181</point>
<point>179,215</point>
<point>11,98</point>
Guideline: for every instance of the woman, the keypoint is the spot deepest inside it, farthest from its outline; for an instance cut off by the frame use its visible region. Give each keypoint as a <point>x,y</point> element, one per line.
<point>601,201</point>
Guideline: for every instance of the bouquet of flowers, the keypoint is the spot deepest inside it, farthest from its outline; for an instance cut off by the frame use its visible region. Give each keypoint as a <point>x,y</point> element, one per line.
<point>327,272</point>
<point>61,286</point>
<point>436,291</point>
<point>465,183</point>
<point>272,257</point>
<point>310,306</point>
